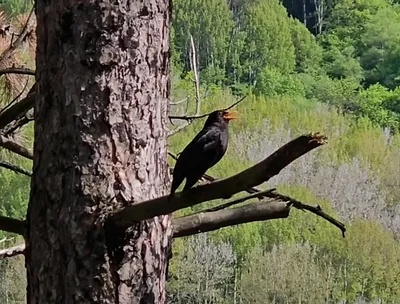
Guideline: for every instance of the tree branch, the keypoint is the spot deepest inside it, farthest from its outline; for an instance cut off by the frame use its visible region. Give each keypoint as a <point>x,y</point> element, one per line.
<point>223,188</point>
<point>314,209</point>
<point>15,147</point>
<point>12,251</point>
<point>209,221</point>
<point>259,195</point>
<point>14,168</point>
<point>12,225</point>
<point>18,109</point>
<point>16,124</point>
<point>191,118</point>
<point>196,84</point>
<point>196,76</point>
<point>13,70</point>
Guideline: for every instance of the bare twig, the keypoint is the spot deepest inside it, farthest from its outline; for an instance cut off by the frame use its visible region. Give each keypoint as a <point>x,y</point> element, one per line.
<point>13,70</point>
<point>239,200</point>
<point>259,173</point>
<point>316,210</point>
<point>15,147</point>
<point>172,103</point>
<point>12,251</point>
<point>12,225</point>
<point>190,118</point>
<point>14,168</point>
<point>179,128</point>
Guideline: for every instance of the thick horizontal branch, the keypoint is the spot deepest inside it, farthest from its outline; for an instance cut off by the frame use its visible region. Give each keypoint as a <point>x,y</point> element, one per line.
<point>209,221</point>
<point>22,71</point>
<point>12,225</point>
<point>223,188</point>
<point>14,168</point>
<point>15,147</point>
<point>12,251</point>
<point>18,109</point>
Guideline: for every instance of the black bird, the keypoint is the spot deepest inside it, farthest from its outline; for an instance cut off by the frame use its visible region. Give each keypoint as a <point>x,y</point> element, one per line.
<point>204,151</point>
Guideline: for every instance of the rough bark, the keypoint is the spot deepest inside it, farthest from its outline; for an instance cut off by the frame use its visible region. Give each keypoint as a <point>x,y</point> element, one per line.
<point>100,132</point>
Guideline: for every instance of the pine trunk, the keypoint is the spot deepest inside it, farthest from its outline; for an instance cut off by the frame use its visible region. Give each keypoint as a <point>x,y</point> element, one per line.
<point>100,133</point>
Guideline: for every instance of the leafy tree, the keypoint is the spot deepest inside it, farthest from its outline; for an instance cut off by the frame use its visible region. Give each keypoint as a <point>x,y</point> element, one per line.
<point>380,54</point>
<point>210,23</point>
<point>267,39</point>
<point>308,52</point>
<point>271,82</point>
<point>342,39</point>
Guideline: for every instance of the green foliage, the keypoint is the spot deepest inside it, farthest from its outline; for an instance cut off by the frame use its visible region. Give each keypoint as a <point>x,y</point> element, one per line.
<point>15,7</point>
<point>271,82</point>
<point>305,250</point>
<point>380,54</point>
<point>307,51</point>
<point>267,39</point>
<point>372,103</point>
<point>210,23</point>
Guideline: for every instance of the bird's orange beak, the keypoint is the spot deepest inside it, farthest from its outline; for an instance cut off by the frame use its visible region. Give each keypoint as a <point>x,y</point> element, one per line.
<point>230,115</point>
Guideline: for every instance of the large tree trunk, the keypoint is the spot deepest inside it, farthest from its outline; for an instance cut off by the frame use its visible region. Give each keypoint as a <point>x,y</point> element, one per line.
<point>100,132</point>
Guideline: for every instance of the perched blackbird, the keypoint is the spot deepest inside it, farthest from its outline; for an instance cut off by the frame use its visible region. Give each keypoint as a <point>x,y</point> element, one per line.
<point>204,151</point>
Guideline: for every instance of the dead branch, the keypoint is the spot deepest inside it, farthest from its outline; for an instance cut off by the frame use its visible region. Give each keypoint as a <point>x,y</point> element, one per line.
<point>242,181</point>
<point>259,195</point>
<point>178,102</point>
<point>203,222</point>
<point>196,84</point>
<point>179,128</point>
<point>196,76</point>
<point>19,109</point>
<point>15,147</point>
<point>12,225</point>
<point>12,251</point>
<point>314,209</point>
<point>13,70</point>
<point>191,118</point>
<point>15,168</point>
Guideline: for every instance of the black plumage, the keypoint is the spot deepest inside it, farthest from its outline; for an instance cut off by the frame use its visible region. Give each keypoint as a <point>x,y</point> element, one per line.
<point>204,151</point>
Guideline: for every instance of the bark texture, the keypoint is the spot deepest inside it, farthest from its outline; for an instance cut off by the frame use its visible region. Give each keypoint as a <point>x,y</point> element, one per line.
<point>100,132</point>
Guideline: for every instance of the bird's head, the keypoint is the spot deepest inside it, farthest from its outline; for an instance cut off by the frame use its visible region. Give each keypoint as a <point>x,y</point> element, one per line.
<point>222,117</point>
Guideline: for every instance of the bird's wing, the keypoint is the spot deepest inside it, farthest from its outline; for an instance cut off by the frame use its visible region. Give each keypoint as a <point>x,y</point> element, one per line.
<point>204,151</point>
